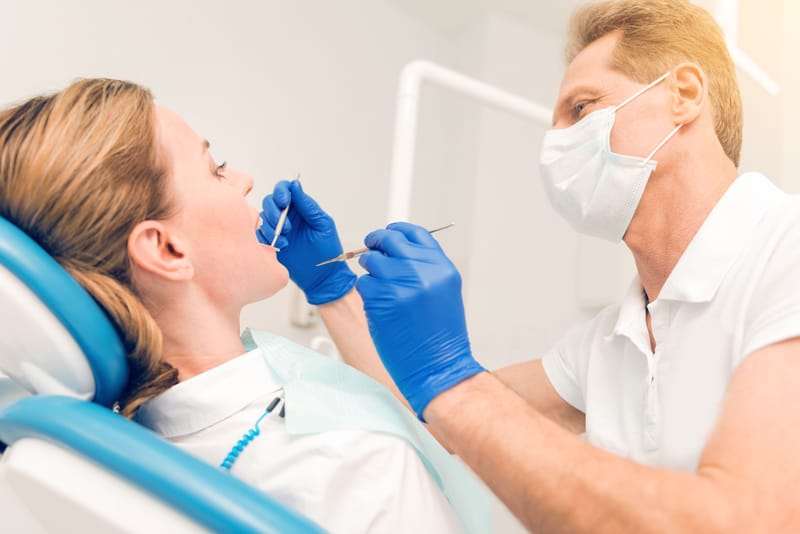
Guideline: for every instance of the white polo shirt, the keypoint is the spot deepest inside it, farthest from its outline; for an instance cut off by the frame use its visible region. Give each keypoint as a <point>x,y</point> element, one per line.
<point>735,289</point>
<point>347,481</point>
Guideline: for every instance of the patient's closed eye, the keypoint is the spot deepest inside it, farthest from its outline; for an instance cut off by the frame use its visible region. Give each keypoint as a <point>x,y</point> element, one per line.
<point>220,170</point>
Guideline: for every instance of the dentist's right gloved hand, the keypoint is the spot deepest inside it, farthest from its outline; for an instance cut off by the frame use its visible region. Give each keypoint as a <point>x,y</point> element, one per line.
<point>308,237</point>
<point>412,298</point>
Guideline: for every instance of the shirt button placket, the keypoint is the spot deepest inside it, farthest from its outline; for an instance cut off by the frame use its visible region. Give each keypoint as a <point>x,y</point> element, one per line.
<point>651,434</point>
<point>651,417</point>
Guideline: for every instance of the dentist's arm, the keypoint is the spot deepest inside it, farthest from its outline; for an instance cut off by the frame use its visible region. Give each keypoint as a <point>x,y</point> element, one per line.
<point>347,325</point>
<point>310,237</point>
<point>748,476</point>
<point>529,381</point>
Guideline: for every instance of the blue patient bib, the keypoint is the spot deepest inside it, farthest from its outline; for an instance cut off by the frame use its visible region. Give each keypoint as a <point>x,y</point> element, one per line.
<point>323,395</point>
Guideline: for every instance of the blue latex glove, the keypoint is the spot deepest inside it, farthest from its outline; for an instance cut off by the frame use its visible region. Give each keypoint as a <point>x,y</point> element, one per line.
<point>412,298</point>
<point>308,237</point>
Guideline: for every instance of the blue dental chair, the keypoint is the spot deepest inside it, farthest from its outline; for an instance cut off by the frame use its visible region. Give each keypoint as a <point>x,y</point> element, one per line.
<point>67,462</point>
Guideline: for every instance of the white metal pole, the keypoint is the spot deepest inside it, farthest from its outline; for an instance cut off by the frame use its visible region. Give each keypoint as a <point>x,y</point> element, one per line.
<point>727,15</point>
<point>405,132</point>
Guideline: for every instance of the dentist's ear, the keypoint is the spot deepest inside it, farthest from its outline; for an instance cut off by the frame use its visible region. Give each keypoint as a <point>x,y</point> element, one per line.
<point>153,249</point>
<point>689,87</point>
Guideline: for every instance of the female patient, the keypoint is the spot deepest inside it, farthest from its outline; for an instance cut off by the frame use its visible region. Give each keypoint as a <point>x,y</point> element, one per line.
<point>127,198</point>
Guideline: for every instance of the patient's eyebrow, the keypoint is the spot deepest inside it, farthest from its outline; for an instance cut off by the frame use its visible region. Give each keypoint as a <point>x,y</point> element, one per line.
<point>206,145</point>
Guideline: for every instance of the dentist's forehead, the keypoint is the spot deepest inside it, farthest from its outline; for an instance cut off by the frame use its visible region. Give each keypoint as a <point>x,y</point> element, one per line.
<point>590,64</point>
<point>590,73</point>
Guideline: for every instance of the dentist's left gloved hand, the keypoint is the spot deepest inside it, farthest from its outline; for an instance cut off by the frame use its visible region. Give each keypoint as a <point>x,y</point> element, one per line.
<point>309,237</point>
<point>412,298</point>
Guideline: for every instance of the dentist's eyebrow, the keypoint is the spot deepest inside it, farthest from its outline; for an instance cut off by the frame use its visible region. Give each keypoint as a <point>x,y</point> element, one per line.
<point>574,94</point>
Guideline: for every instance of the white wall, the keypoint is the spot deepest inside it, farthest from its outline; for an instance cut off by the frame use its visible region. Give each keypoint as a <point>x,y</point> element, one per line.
<point>520,288</point>
<point>309,85</point>
<point>763,143</point>
<point>281,87</point>
<point>789,115</point>
<point>278,87</point>
<point>528,276</point>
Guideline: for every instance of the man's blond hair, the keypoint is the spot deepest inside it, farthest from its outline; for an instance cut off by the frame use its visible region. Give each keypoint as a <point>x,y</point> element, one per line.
<point>656,35</point>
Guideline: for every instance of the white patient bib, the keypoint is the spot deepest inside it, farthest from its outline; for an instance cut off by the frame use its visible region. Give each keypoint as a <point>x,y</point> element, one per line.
<point>325,395</point>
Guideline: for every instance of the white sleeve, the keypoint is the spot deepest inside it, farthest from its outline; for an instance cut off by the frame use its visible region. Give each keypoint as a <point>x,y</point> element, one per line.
<point>566,364</point>
<point>774,311</point>
<point>352,482</point>
<point>560,370</point>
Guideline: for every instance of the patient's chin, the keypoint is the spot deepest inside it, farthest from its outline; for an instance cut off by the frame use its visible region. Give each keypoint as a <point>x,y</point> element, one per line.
<point>275,278</point>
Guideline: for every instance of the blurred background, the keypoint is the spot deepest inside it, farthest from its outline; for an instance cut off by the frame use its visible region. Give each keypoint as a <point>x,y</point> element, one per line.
<point>309,86</point>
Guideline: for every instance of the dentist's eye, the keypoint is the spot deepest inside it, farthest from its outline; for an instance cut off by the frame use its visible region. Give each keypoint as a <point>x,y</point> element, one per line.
<point>220,169</point>
<point>578,109</point>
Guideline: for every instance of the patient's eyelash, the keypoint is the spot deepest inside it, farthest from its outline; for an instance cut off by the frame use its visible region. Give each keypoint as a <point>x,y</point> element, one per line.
<point>220,170</point>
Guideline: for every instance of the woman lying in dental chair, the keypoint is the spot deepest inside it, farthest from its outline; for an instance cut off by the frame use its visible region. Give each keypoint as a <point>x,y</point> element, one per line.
<point>127,198</point>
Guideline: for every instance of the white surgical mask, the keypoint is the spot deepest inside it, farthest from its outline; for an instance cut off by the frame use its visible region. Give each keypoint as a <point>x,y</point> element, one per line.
<point>595,190</point>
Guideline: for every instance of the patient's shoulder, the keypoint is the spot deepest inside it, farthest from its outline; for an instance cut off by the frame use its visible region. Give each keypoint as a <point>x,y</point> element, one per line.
<point>360,481</point>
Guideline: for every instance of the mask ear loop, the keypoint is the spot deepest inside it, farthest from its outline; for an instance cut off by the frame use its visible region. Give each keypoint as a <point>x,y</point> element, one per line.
<point>662,143</point>
<point>639,92</point>
<point>643,89</point>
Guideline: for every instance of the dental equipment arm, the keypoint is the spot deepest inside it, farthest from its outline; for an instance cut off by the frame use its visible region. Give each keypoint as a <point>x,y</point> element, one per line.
<point>551,480</point>
<point>407,108</point>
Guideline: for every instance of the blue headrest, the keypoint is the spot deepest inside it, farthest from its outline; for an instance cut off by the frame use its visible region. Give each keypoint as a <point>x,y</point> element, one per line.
<point>54,338</point>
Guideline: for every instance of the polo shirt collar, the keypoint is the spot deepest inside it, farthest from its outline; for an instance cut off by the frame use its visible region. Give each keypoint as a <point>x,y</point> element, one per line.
<point>210,397</point>
<point>709,256</point>
<point>720,240</point>
<point>631,312</point>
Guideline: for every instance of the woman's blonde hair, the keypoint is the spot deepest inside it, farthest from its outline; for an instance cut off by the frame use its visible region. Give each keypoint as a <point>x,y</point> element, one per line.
<point>78,170</point>
<point>656,35</point>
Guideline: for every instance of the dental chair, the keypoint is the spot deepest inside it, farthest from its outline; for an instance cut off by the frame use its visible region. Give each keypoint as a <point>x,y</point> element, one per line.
<point>67,462</point>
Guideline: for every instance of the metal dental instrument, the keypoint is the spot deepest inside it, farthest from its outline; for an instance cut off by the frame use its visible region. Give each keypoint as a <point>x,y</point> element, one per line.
<point>355,253</point>
<point>282,219</point>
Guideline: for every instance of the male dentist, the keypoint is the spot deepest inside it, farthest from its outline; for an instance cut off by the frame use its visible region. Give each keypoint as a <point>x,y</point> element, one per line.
<point>689,389</point>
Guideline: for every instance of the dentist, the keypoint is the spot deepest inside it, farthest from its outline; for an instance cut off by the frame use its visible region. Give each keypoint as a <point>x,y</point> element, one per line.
<point>688,390</point>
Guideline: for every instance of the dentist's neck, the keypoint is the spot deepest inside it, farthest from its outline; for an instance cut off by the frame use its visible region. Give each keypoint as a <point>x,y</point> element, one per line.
<point>677,200</point>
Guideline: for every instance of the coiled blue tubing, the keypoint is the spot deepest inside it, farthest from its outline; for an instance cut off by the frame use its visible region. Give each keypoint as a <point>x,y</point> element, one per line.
<point>249,436</point>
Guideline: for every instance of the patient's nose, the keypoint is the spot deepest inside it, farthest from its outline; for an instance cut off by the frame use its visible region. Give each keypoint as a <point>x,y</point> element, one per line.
<point>244,181</point>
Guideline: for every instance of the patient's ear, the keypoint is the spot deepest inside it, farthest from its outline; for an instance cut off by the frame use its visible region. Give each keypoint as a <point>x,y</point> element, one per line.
<point>154,249</point>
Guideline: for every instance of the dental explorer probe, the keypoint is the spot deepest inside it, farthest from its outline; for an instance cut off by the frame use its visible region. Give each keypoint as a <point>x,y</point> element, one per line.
<point>282,219</point>
<point>355,253</point>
